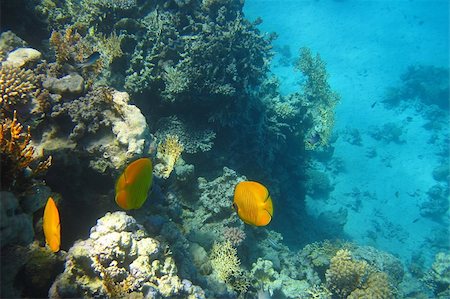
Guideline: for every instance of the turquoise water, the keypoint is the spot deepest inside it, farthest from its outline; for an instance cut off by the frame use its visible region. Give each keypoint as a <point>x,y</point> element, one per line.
<point>367,46</point>
<point>128,125</point>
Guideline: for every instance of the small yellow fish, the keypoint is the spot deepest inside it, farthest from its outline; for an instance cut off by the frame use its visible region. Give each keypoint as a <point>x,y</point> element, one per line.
<point>133,185</point>
<point>51,225</point>
<point>253,204</point>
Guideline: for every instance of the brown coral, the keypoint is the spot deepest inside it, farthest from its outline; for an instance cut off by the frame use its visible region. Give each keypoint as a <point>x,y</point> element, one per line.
<point>69,46</point>
<point>17,154</point>
<point>15,85</point>
<point>376,287</point>
<point>345,274</point>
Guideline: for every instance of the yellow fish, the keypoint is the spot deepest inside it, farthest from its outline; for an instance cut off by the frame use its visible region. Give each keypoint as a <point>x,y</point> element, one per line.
<point>52,227</point>
<point>253,204</point>
<point>133,185</point>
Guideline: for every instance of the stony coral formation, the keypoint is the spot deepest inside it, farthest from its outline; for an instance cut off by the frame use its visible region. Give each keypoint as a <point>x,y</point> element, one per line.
<point>17,154</point>
<point>350,278</point>
<point>16,84</point>
<point>345,274</point>
<point>227,266</point>
<point>120,260</point>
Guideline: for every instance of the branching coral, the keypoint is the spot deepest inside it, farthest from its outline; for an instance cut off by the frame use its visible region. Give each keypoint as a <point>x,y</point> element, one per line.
<point>234,234</point>
<point>226,265</point>
<point>69,46</point>
<point>17,154</point>
<point>15,85</point>
<point>168,153</point>
<point>110,46</point>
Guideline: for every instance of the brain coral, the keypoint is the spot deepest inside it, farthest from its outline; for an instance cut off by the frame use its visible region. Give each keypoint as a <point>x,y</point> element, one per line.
<point>118,259</point>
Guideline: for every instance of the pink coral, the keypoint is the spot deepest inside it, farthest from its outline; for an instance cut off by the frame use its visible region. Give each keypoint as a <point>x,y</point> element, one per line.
<point>234,234</point>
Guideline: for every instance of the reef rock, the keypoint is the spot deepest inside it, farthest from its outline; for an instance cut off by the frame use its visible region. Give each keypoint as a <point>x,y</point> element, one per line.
<point>16,226</point>
<point>120,259</point>
<point>72,84</point>
<point>22,56</point>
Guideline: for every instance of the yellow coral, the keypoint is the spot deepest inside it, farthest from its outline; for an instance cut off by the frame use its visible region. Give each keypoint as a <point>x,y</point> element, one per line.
<point>376,287</point>
<point>345,274</point>
<point>16,152</point>
<point>224,260</point>
<point>168,153</point>
<point>15,84</point>
<point>110,46</point>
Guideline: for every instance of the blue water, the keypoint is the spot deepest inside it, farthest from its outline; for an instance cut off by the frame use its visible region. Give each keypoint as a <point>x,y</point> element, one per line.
<point>367,45</point>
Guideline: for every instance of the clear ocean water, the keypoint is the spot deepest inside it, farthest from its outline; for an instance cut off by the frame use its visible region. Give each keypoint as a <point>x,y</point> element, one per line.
<point>225,149</point>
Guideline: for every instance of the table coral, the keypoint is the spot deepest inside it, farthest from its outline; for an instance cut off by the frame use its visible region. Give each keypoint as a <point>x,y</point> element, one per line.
<point>118,259</point>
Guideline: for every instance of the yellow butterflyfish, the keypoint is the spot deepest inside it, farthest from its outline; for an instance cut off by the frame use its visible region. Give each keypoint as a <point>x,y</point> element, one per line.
<point>51,225</point>
<point>133,185</point>
<point>253,203</point>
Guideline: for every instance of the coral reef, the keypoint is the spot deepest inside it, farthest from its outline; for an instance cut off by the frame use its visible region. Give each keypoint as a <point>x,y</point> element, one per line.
<point>436,203</point>
<point>120,259</point>
<point>438,277</point>
<point>105,127</point>
<point>345,274</point>
<point>319,96</point>
<point>427,84</point>
<point>351,278</point>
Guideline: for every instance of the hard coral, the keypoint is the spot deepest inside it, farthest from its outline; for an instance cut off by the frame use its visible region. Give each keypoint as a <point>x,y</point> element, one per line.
<point>345,274</point>
<point>168,153</point>
<point>17,153</point>
<point>118,259</point>
<point>226,266</point>
<point>319,96</point>
<point>15,85</point>
<point>69,46</point>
